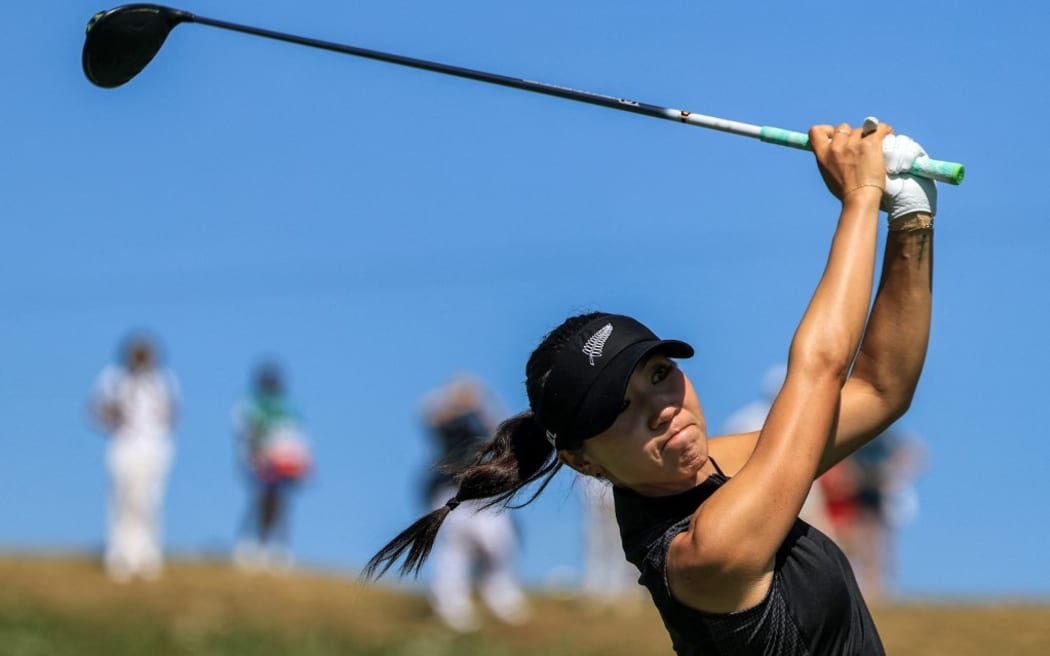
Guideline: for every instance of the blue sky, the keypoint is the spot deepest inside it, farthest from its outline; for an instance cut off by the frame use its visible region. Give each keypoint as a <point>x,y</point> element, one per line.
<point>379,228</point>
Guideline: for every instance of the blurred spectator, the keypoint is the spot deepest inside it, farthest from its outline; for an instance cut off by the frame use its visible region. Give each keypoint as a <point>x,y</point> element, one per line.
<point>752,416</point>
<point>135,403</point>
<point>608,578</point>
<point>870,495</point>
<point>273,450</point>
<point>477,547</point>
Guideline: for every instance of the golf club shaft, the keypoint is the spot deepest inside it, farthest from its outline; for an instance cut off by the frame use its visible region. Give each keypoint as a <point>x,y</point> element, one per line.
<point>950,172</point>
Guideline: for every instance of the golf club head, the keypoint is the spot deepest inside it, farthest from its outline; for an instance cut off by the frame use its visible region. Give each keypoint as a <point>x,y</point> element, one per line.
<point>120,42</point>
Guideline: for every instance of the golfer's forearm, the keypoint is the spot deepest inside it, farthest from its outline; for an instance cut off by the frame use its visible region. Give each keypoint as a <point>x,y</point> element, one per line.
<point>893,350</point>
<point>831,328</point>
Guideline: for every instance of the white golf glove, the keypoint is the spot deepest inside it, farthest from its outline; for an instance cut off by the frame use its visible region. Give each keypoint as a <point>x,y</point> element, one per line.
<point>905,193</point>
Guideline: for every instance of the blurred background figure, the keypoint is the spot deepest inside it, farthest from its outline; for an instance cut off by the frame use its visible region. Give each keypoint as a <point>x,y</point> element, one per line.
<point>870,495</point>
<point>609,579</point>
<point>752,416</point>
<point>274,453</point>
<point>135,403</point>
<point>477,547</point>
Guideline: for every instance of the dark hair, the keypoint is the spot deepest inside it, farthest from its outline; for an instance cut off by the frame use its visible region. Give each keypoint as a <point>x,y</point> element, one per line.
<point>517,456</point>
<point>139,343</point>
<point>268,377</point>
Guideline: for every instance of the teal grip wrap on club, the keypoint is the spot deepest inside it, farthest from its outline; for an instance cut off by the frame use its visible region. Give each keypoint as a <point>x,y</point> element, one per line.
<point>934,169</point>
<point>782,137</point>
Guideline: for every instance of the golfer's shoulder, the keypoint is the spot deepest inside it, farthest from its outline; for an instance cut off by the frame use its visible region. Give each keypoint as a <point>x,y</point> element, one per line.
<point>709,573</point>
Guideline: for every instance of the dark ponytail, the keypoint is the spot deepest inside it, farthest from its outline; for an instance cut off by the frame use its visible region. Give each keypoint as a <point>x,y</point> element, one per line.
<point>517,456</point>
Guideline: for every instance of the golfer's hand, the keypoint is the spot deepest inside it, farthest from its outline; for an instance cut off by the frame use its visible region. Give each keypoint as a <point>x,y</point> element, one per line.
<point>849,161</point>
<point>905,193</point>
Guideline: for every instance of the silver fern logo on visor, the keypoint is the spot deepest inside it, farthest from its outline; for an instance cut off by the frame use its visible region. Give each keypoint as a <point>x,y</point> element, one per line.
<point>596,344</point>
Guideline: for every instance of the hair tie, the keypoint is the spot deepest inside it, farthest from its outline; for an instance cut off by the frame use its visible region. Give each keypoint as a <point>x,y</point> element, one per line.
<point>452,503</point>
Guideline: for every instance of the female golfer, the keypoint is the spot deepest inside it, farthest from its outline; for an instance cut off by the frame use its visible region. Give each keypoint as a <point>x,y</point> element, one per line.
<point>712,524</point>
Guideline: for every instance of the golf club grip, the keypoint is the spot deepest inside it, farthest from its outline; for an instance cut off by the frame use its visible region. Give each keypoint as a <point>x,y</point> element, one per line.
<point>934,169</point>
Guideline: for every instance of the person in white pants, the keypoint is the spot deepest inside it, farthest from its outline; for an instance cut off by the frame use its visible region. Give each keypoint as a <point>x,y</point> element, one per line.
<point>477,547</point>
<point>135,403</point>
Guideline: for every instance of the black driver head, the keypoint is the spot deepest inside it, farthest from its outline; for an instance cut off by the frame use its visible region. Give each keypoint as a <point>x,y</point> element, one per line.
<point>122,41</point>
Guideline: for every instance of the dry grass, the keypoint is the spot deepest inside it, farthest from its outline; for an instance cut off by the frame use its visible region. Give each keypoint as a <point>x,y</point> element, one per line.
<point>66,605</point>
<point>924,629</point>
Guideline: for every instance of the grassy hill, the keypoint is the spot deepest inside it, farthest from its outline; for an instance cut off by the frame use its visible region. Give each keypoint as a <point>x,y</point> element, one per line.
<point>66,606</point>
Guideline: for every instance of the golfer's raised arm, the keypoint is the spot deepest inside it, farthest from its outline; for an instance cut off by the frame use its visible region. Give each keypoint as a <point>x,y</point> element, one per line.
<point>735,534</point>
<point>893,351</point>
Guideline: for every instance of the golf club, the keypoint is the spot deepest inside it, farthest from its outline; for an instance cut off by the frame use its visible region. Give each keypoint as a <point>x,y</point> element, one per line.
<point>122,41</point>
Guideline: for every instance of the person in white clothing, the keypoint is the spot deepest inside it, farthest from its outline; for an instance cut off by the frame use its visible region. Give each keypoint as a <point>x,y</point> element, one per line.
<point>135,403</point>
<point>480,545</point>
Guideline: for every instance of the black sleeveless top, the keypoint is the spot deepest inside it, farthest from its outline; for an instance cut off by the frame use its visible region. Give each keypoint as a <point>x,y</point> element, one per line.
<point>813,608</point>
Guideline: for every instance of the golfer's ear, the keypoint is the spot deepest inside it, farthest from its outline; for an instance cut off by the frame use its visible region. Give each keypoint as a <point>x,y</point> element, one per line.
<point>578,461</point>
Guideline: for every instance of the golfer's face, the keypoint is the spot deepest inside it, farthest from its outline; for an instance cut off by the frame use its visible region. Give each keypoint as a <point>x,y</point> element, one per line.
<point>658,444</point>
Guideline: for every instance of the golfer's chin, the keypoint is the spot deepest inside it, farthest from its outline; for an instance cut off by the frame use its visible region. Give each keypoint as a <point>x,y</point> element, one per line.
<point>689,456</point>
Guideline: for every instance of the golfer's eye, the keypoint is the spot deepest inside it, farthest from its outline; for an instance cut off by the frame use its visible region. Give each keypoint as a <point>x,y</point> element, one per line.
<point>662,371</point>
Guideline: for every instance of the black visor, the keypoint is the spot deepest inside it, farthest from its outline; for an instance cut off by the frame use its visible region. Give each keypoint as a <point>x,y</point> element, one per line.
<point>588,382</point>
